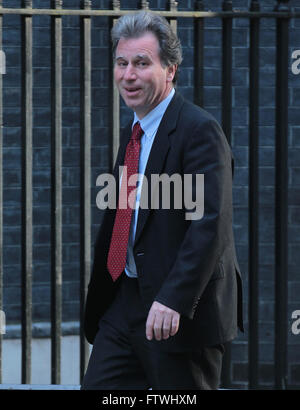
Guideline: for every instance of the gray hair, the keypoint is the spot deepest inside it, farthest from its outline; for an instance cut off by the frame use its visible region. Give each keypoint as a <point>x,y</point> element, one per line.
<point>136,24</point>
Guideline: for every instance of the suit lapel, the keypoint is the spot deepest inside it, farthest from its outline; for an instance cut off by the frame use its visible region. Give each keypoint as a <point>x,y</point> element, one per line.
<point>158,153</point>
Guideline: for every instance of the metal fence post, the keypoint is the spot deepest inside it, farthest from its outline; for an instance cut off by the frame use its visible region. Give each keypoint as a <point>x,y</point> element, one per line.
<point>253,197</point>
<point>281,197</point>
<point>282,15</point>
<point>226,124</point>
<point>26,193</point>
<point>115,101</point>
<point>144,5</point>
<point>198,56</point>
<point>1,194</point>
<point>85,183</point>
<point>173,6</point>
<point>56,194</point>
<point>227,71</point>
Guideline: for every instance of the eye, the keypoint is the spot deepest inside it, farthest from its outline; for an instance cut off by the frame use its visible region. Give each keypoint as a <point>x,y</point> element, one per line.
<point>121,63</point>
<point>142,63</point>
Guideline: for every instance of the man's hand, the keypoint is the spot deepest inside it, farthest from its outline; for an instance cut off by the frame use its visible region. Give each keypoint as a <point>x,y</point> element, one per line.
<point>162,322</point>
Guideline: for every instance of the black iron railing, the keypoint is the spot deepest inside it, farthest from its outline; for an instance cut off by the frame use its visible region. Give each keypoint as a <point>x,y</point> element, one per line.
<point>282,14</point>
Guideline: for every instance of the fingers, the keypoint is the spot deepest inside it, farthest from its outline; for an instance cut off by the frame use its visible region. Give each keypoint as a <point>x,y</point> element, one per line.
<point>157,328</point>
<point>166,326</point>
<point>175,325</point>
<point>162,322</point>
<point>150,324</point>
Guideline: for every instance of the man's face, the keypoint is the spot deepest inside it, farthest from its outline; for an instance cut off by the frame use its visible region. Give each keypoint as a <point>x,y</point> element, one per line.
<point>141,79</point>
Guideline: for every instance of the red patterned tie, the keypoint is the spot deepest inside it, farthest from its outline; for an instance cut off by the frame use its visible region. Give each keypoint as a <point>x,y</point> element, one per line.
<point>118,245</point>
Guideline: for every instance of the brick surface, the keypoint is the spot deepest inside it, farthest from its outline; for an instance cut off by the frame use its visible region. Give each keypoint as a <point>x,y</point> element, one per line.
<point>12,156</point>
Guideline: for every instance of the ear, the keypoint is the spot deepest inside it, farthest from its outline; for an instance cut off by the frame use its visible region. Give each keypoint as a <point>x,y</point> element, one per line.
<point>171,70</point>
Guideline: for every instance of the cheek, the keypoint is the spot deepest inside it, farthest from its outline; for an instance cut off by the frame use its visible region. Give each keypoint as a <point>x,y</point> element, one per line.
<point>117,75</point>
<point>154,83</point>
<point>158,84</point>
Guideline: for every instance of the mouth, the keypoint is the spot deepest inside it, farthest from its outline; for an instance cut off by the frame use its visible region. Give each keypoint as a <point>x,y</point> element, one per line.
<point>132,91</point>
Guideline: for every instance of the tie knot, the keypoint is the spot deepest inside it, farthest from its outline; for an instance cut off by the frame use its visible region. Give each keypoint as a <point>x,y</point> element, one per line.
<point>137,132</point>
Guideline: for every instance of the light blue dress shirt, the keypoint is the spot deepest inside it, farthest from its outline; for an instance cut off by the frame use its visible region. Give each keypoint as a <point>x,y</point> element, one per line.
<point>149,124</point>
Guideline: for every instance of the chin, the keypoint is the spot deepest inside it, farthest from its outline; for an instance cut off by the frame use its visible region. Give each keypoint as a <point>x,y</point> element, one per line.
<point>132,105</point>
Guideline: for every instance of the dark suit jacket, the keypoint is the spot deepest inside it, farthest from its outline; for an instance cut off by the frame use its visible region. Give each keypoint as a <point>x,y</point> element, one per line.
<point>189,266</point>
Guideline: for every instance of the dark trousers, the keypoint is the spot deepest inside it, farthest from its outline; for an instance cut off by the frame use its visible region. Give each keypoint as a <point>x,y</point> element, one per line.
<point>123,358</point>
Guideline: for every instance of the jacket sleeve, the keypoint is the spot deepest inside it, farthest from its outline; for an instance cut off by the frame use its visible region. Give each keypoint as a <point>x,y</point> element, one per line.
<point>207,152</point>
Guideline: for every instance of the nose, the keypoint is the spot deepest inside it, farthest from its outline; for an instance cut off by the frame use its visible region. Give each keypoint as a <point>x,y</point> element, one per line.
<point>129,74</point>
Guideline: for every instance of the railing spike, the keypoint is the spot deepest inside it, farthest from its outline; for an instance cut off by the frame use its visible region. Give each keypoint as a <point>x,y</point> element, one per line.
<point>282,7</point>
<point>116,4</point>
<point>144,5</point>
<point>199,6</point>
<point>87,4</point>
<point>28,4</point>
<point>173,5</point>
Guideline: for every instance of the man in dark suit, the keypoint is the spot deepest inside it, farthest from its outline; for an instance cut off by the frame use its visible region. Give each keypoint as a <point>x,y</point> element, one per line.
<point>165,292</point>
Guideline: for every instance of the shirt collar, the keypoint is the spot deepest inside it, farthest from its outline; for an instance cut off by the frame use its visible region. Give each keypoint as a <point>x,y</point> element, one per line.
<point>151,121</point>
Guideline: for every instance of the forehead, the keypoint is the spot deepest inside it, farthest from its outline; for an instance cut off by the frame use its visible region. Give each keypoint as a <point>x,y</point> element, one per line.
<point>147,44</point>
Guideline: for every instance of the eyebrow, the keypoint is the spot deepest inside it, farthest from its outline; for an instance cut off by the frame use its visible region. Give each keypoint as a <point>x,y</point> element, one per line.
<point>137,57</point>
<point>142,56</point>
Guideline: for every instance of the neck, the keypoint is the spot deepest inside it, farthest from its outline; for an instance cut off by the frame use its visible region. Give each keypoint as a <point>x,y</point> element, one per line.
<point>141,114</point>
